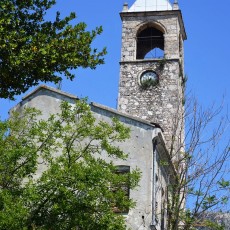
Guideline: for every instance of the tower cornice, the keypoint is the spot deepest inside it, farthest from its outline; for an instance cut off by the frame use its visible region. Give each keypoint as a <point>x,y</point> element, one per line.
<point>150,60</point>
<point>178,13</point>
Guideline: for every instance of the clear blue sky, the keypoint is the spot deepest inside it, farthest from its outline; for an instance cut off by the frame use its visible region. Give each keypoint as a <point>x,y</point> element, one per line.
<point>207,50</point>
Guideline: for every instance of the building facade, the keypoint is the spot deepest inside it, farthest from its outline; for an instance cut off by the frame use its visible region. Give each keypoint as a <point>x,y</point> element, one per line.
<point>150,102</point>
<point>146,150</point>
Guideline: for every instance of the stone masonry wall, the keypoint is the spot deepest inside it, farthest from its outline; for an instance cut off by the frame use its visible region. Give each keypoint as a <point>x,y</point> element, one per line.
<point>162,104</point>
<point>159,104</point>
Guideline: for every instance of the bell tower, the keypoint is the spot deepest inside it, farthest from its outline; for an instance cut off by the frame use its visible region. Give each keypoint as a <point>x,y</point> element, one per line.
<point>152,79</point>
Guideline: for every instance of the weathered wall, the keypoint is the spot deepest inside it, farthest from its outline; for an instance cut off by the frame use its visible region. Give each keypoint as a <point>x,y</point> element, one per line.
<point>140,150</point>
<point>139,147</point>
<point>46,100</point>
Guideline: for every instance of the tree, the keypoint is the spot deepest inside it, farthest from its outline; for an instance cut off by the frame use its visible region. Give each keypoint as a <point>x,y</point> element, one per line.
<point>202,185</point>
<point>34,50</point>
<point>76,187</point>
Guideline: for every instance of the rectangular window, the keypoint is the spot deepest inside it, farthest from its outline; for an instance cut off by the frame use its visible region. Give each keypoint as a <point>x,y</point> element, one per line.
<point>124,186</point>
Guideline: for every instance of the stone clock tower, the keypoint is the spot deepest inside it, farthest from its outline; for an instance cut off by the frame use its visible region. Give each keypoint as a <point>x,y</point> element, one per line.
<point>152,65</point>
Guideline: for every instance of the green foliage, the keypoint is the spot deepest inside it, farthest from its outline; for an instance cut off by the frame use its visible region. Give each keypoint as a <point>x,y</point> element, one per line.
<point>184,80</point>
<point>164,163</point>
<point>74,186</point>
<point>145,84</point>
<point>34,50</point>
<point>224,184</point>
<point>209,201</point>
<point>212,225</point>
<point>162,63</point>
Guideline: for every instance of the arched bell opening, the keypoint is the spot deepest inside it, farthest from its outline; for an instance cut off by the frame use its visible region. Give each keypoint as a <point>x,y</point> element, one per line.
<point>150,43</point>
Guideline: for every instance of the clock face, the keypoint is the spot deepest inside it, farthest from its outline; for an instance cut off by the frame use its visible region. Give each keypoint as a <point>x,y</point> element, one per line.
<point>149,77</point>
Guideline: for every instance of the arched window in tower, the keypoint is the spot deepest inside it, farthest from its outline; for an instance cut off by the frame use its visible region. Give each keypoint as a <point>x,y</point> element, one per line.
<point>150,43</point>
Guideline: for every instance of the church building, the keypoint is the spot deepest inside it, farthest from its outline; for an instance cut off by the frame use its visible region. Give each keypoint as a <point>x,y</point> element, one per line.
<point>150,102</point>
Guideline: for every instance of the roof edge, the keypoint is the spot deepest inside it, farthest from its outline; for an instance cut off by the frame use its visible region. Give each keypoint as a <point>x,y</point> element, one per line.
<point>58,91</point>
<point>155,125</point>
